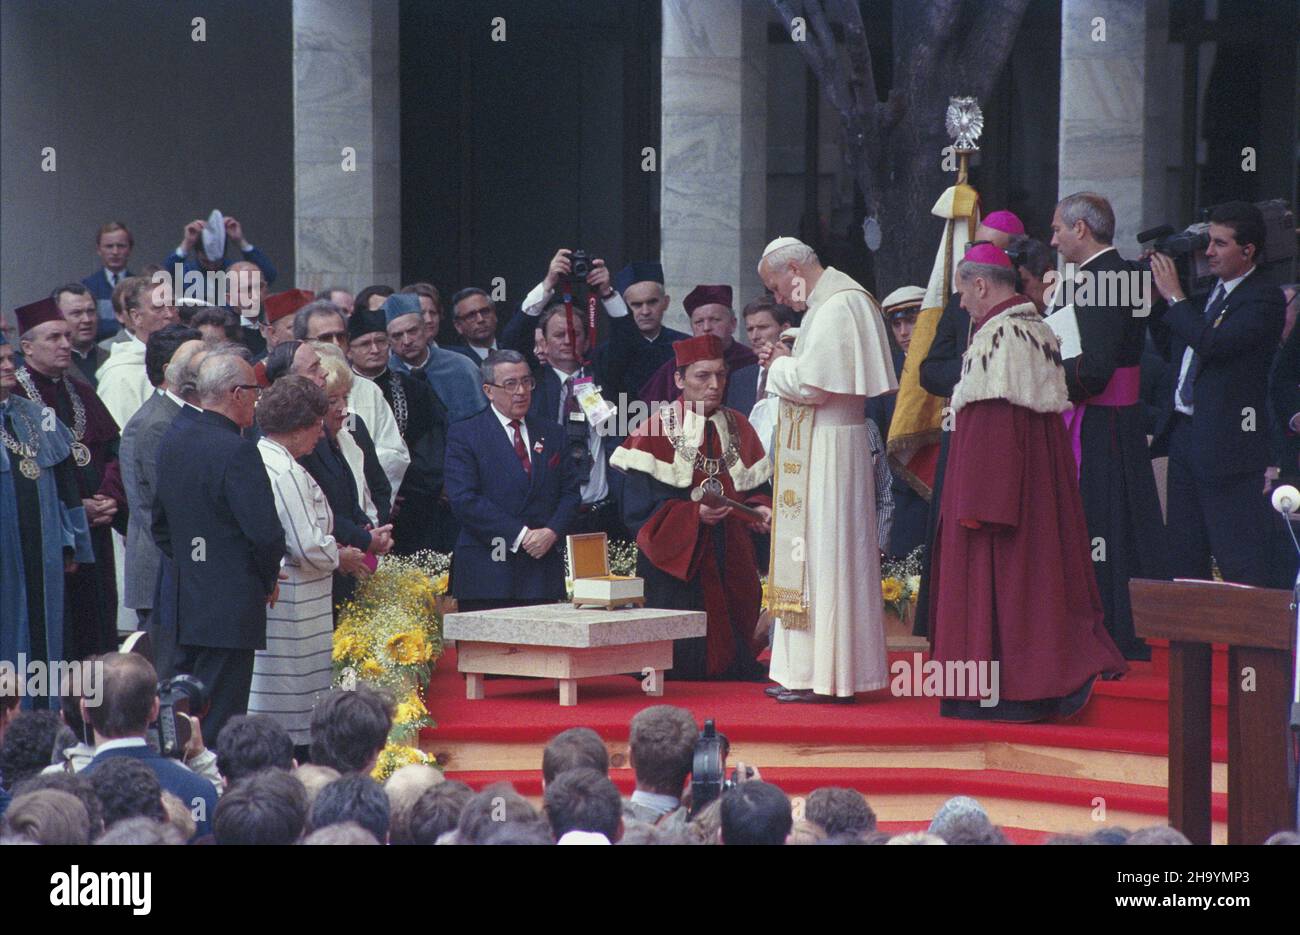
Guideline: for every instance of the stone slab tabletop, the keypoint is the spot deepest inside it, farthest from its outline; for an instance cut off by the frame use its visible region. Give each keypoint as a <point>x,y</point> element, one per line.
<point>565,625</point>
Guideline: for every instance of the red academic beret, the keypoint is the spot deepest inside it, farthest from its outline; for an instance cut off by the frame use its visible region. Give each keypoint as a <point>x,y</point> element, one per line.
<point>38,313</point>
<point>694,350</point>
<point>987,254</point>
<point>707,295</point>
<point>285,303</point>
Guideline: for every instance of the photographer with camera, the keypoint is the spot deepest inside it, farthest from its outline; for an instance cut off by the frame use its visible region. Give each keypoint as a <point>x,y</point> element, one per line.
<point>130,704</point>
<point>568,376</point>
<point>1222,353</point>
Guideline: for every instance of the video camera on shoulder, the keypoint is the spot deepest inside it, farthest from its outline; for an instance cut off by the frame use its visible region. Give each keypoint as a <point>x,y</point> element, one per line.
<point>709,768</point>
<point>177,696</point>
<point>1187,247</point>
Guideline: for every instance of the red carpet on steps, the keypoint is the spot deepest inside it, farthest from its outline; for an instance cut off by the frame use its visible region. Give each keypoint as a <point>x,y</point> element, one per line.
<point>1129,715</point>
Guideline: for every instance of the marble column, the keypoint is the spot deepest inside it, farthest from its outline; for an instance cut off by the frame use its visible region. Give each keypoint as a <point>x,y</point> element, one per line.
<point>1119,109</point>
<point>713,159</point>
<point>347,214</point>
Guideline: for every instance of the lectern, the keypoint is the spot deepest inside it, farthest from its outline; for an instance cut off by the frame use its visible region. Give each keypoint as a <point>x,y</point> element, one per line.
<point>1257,624</point>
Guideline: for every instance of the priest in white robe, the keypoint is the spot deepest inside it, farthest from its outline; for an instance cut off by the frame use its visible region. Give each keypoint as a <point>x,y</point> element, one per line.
<point>824,579</point>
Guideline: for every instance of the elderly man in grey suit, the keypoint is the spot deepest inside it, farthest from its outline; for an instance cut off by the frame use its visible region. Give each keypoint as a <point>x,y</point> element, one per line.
<point>169,355</point>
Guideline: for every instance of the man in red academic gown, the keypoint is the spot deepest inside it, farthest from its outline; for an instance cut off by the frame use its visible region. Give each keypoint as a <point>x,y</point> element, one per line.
<point>49,379</point>
<point>1013,580</point>
<point>695,557</point>
<point>711,313</point>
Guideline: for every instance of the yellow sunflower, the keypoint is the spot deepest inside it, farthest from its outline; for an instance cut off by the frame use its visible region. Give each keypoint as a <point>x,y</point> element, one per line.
<point>891,589</point>
<point>407,648</point>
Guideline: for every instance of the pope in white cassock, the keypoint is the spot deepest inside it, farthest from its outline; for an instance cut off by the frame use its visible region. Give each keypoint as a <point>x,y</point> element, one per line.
<point>824,577</point>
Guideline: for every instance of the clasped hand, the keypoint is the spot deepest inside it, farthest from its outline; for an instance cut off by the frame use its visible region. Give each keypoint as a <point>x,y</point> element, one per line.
<point>537,542</point>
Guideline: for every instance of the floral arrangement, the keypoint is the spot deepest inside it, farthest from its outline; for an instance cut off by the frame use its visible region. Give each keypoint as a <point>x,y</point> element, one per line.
<point>900,582</point>
<point>622,557</point>
<point>389,636</point>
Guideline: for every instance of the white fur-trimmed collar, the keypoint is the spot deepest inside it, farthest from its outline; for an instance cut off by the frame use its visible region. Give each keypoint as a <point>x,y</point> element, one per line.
<point>680,471</point>
<point>1014,356</point>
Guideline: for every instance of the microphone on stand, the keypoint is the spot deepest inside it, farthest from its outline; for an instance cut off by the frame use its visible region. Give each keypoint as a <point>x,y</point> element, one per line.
<point>1286,500</point>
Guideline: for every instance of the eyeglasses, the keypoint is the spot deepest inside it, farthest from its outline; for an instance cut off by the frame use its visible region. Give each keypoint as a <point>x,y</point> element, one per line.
<point>978,243</point>
<point>334,336</point>
<point>514,386</point>
<point>476,313</point>
<point>254,388</point>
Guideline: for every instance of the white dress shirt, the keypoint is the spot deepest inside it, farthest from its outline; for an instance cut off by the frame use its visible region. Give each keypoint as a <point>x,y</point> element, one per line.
<point>597,486</point>
<point>535,302</point>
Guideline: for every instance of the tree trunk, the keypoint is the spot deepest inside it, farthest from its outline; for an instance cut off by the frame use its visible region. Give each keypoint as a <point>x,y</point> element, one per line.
<point>942,49</point>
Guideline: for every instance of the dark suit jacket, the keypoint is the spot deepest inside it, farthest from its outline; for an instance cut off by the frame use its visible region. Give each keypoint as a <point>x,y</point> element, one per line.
<point>469,351</point>
<point>627,360</point>
<point>493,499</point>
<point>98,285</point>
<point>1111,336</point>
<point>327,466</point>
<point>138,455</point>
<point>197,792</point>
<point>1232,383</point>
<point>214,516</point>
<point>381,492</point>
<point>1284,394</point>
<point>941,369</point>
<point>89,365</point>
<point>255,256</point>
<point>742,389</point>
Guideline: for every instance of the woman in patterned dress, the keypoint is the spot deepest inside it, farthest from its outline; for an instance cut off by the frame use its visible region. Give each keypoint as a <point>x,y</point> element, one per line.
<point>295,667</point>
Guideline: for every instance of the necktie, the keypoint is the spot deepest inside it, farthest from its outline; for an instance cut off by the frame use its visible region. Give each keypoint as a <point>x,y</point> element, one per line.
<point>570,399</point>
<point>1212,310</point>
<point>520,451</point>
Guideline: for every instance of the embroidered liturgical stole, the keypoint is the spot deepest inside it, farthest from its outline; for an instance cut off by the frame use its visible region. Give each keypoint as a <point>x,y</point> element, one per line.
<point>787,581</point>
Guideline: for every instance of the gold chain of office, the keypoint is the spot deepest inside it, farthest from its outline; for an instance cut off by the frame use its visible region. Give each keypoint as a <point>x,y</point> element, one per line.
<point>710,466</point>
<point>80,453</point>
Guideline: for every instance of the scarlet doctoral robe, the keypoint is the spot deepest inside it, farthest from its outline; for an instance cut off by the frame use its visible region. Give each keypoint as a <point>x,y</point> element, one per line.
<point>686,564</point>
<point>1012,578</point>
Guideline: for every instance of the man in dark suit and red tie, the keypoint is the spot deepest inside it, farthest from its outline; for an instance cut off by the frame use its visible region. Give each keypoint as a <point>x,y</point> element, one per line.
<point>514,493</point>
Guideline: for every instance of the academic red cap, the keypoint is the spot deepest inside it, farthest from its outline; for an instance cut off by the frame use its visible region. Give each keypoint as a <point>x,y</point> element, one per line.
<point>1004,221</point>
<point>707,295</point>
<point>694,350</point>
<point>285,303</point>
<point>988,255</point>
<point>38,313</point>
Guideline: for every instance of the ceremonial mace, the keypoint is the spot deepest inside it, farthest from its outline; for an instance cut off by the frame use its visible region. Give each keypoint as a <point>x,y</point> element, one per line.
<point>718,501</point>
<point>964,122</point>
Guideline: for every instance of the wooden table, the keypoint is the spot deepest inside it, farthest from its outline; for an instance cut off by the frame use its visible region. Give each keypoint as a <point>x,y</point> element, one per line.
<point>559,641</point>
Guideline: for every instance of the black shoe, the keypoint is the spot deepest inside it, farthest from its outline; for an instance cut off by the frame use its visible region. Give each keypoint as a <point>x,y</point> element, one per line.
<point>773,690</point>
<point>810,697</point>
